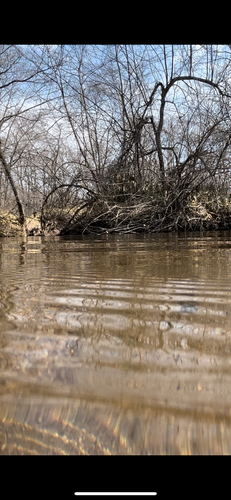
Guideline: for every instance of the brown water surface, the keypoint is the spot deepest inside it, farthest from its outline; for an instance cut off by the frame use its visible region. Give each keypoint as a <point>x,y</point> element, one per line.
<point>116,344</point>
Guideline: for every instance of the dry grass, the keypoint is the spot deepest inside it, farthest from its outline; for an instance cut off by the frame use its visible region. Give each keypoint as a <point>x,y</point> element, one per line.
<point>9,224</point>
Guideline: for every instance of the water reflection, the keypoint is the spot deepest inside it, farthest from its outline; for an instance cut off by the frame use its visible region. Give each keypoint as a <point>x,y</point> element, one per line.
<point>119,343</point>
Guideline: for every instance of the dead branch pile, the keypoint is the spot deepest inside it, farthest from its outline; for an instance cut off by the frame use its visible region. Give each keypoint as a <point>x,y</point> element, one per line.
<point>139,211</point>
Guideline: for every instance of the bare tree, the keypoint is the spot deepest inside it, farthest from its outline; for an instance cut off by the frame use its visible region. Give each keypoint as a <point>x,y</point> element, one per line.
<point>23,88</point>
<point>124,126</point>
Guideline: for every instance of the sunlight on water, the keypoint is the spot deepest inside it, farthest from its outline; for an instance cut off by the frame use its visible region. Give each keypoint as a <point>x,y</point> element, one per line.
<point>116,344</point>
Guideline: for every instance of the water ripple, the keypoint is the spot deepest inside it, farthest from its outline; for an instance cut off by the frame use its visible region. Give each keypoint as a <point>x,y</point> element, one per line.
<point>145,327</point>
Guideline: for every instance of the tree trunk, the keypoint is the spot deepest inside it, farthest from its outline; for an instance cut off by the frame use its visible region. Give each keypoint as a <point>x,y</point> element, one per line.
<point>11,180</point>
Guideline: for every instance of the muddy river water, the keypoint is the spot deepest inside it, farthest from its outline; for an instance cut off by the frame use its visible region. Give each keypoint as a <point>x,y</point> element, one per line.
<point>116,344</point>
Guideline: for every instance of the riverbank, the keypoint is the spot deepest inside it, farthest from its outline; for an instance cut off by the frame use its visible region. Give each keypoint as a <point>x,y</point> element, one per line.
<point>9,225</point>
<point>207,210</point>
